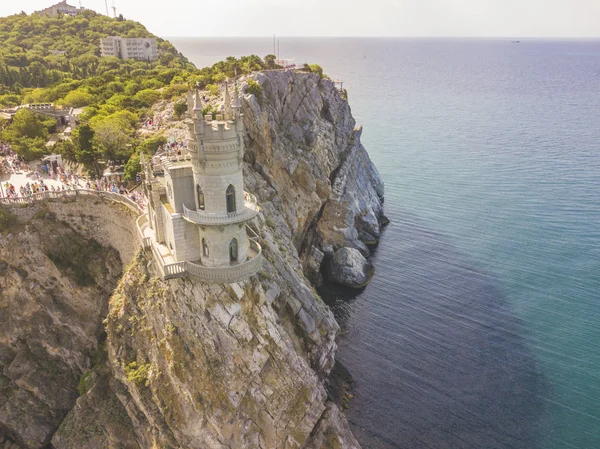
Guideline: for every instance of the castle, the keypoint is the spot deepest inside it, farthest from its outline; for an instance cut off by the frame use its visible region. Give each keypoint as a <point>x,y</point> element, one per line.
<point>196,222</point>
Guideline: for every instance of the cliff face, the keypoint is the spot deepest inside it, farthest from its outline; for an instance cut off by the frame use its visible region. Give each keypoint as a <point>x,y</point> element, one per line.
<point>190,365</point>
<point>309,168</point>
<point>55,282</point>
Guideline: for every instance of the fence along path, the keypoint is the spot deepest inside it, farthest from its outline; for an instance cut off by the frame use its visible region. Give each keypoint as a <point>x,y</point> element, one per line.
<point>117,197</point>
<point>167,271</point>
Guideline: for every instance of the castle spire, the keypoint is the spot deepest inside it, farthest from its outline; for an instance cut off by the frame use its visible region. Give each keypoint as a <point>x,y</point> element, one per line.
<point>198,105</point>
<point>227,102</point>
<point>190,101</point>
<point>236,104</point>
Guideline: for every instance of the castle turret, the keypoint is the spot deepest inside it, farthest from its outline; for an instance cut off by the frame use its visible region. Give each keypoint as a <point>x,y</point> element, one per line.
<point>222,205</point>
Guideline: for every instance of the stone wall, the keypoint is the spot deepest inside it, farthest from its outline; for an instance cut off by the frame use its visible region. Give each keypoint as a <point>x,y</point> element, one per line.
<point>111,224</point>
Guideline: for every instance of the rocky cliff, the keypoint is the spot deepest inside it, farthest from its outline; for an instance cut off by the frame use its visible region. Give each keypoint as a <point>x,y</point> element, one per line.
<point>181,364</point>
<point>309,168</point>
<point>55,282</point>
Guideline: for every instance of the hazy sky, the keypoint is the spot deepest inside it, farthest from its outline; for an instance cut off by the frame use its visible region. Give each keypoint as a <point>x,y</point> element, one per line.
<point>513,18</point>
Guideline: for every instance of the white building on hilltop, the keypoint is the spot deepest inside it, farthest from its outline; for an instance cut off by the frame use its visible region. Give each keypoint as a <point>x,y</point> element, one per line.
<point>197,207</point>
<point>143,49</point>
<point>59,8</point>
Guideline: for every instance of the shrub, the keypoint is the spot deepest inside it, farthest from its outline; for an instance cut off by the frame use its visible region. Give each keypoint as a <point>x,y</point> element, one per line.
<point>209,110</point>
<point>138,374</point>
<point>254,88</point>
<point>174,90</point>
<point>316,68</point>
<point>7,220</point>
<point>146,97</point>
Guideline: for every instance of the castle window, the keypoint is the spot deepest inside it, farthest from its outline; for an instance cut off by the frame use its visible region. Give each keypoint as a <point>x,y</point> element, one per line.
<point>230,196</point>
<point>200,197</point>
<point>204,248</point>
<point>233,251</point>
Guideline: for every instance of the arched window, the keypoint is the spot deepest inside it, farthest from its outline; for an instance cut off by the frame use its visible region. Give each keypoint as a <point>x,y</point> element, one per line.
<point>230,195</point>
<point>233,251</point>
<point>200,197</point>
<point>204,248</point>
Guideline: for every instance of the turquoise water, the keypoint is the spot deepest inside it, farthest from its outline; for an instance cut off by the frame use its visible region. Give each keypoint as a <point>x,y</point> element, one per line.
<point>481,326</point>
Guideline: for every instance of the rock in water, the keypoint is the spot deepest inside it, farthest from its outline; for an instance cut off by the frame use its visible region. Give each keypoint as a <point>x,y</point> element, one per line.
<point>348,267</point>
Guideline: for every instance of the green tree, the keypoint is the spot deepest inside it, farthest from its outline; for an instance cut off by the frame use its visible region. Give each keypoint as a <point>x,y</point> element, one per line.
<point>146,97</point>
<point>113,134</point>
<point>83,137</point>
<point>180,108</point>
<point>133,167</point>
<point>77,98</point>
<point>66,148</point>
<point>26,123</point>
<point>270,61</point>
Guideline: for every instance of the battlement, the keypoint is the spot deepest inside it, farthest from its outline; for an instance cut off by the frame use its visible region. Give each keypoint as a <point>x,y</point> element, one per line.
<point>215,130</point>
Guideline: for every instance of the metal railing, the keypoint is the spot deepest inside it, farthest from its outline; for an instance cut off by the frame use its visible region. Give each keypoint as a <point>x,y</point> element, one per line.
<point>250,210</point>
<point>233,273</point>
<point>220,275</point>
<point>116,197</point>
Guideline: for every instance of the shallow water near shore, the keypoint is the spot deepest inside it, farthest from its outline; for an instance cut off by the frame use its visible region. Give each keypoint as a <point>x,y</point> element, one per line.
<point>480,327</point>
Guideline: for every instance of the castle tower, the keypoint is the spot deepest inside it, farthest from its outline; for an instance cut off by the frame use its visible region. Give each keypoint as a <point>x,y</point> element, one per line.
<point>222,207</point>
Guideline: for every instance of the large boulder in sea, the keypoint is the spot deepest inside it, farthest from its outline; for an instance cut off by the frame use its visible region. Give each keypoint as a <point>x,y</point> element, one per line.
<point>348,267</point>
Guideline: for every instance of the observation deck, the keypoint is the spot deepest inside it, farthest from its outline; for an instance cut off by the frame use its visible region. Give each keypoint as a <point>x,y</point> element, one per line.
<point>169,268</point>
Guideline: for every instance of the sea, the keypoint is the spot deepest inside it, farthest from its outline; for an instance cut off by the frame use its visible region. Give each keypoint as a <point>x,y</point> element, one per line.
<point>481,326</point>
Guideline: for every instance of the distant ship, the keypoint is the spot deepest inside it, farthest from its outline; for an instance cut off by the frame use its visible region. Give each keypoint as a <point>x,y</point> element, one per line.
<point>515,42</point>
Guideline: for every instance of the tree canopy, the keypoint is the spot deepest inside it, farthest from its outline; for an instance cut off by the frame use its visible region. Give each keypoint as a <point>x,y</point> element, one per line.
<point>58,60</point>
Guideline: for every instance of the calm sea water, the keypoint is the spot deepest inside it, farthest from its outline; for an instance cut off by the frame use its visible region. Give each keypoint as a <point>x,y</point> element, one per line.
<point>481,328</point>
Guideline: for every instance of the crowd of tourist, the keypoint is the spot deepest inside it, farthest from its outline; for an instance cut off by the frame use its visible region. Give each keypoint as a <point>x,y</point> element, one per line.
<point>51,177</point>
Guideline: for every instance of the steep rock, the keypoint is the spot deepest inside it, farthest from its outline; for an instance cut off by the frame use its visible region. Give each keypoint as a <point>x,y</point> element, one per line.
<point>349,267</point>
<point>309,168</point>
<point>54,284</point>
<point>209,366</point>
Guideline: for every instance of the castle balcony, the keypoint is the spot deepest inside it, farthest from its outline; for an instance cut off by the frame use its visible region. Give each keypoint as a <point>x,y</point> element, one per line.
<point>169,268</point>
<point>233,273</point>
<point>250,210</point>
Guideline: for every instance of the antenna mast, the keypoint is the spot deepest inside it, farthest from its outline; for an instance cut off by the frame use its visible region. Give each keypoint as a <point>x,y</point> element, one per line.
<point>114,8</point>
<point>106,4</point>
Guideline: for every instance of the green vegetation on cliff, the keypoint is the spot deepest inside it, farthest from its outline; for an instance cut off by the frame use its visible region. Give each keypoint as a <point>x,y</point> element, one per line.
<point>57,60</point>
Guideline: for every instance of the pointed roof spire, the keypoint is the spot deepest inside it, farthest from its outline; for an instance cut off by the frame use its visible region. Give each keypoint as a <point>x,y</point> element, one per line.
<point>226,100</point>
<point>236,104</point>
<point>197,101</point>
<point>190,100</point>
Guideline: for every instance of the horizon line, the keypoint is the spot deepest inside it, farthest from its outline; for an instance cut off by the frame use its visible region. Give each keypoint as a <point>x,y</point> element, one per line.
<point>383,37</point>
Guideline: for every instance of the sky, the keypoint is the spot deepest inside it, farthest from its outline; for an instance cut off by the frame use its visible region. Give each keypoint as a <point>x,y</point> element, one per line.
<point>423,18</point>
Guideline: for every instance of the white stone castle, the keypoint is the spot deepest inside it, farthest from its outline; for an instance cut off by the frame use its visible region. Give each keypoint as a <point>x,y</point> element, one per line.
<point>197,207</point>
